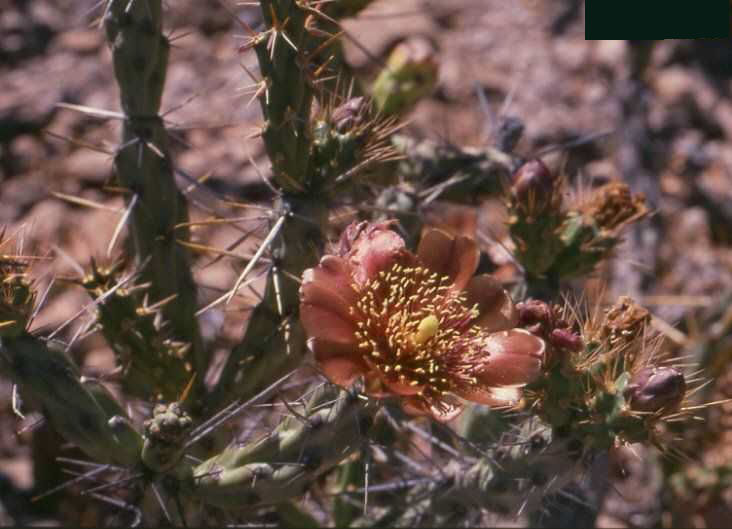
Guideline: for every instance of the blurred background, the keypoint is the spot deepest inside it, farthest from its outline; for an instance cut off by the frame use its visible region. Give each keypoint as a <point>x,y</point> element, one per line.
<point>655,114</point>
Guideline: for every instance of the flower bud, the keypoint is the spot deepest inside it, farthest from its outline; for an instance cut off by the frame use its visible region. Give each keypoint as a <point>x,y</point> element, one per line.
<point>654,388</point>
<point>543,319</point>
<point>533,186</point>
<point>534,311</point>
<point>567,339</point>
<point>348,115</point>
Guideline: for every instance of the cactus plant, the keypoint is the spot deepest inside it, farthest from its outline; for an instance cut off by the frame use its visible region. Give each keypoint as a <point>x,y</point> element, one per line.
<point>370,346</point>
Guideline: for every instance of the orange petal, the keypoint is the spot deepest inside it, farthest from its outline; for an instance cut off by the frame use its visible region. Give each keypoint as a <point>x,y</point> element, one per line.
<point>454,257</point>
<point>515,358</point>
<point>497,311</point>
<point>338,362</point>
<point>335,273</point>
<point>327,324</point>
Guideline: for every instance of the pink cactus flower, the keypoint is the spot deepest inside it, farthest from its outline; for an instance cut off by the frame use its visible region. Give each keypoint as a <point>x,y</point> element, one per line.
<point>421,327</point>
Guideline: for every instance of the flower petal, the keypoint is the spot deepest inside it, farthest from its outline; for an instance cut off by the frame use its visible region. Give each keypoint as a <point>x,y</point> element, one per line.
<point>370,248</point>
<point>320,294</point>
<point>334,272</point>
<point>453,218</point>
<point>497,311</point>
<point>341,364</point>
<point>515,358</point>
<point>496,397</point>
<point>454,257</point>
<point>327,324</point>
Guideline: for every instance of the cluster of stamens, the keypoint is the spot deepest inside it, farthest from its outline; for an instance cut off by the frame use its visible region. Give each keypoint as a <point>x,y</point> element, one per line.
<point>417,331</point>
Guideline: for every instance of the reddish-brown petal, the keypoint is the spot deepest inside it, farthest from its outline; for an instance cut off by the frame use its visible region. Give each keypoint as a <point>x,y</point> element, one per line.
<point>497,311</point>
<point>496,397</point>
<point>515,358</point>
<point>456,219</point>
<point>370,248</point>
<point>320,294</point>
<point>341,364</point>
<point>327,324</point>
<point>454,257</point>
<point>335,273</point>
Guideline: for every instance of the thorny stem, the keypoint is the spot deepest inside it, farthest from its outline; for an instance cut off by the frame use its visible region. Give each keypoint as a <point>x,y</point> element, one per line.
<point>282,464</point>
<point>144,166</point>
<point>511,483</point>
<point>274,341</point>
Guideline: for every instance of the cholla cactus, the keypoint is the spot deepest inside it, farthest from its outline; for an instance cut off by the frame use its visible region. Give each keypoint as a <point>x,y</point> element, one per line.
<point>407,335</point>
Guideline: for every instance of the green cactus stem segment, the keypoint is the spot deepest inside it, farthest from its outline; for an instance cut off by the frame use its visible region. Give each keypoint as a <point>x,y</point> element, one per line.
<point>144,166</point>
<point>153,365</point>
<point>84,413</point>
<point>274,340</point>
<point>282,464</point>
<point>512,481</point>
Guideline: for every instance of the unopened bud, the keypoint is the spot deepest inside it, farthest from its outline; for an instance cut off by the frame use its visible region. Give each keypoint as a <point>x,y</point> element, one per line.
<point>348,115</point>
<point>654,388</point>
<point>534,311</point>
<point>544,320</point>
<point>533,186</point>
<point>566,339</point>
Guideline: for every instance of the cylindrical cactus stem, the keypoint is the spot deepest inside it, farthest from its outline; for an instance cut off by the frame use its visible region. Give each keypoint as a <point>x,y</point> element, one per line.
<point>311,155</point>
<point>281,51</point>
<point>522,474</point>
<point>535,214</point>
<point>144,166</point>
<point>82,410</point>
<point>510,483</point>
<point>281,465</point>
<point>274,341</point>
<point>150,361</point>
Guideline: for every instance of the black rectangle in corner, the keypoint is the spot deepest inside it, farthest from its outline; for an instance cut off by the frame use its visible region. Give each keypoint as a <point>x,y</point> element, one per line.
<point>657,19</point>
